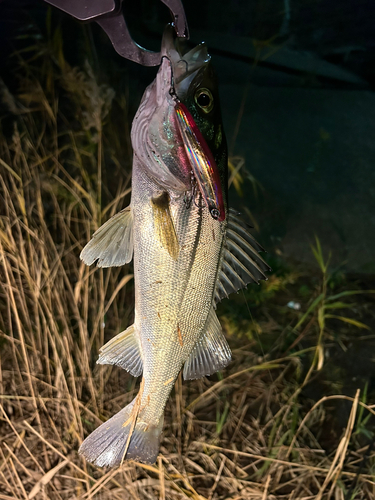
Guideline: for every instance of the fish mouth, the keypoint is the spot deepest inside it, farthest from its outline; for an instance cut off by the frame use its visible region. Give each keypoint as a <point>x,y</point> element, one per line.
<point>185,63</point>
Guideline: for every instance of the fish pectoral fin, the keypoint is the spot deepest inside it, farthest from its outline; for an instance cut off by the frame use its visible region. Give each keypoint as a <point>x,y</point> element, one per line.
<point>112,244</point>
<point>241,263</point>
<point>211,352</point>
<point>124,351</point>
<point>164,225</point>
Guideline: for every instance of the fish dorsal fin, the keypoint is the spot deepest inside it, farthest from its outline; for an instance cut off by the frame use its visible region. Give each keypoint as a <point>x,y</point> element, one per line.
<point>241,263</point>
<point>164,226</point>
<point>211,352</point>
<point>124,351</point>
<point>112,244</point>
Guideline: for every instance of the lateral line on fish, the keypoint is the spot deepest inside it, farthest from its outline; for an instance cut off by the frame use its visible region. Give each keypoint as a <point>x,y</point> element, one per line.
<point>195,246</point>
<point>136,410</point>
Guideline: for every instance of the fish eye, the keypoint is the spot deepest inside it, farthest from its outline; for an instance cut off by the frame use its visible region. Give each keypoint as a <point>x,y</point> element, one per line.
<point>204,99</point>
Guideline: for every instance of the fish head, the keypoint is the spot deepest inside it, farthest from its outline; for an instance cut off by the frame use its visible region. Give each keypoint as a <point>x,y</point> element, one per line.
<point>186,77</point>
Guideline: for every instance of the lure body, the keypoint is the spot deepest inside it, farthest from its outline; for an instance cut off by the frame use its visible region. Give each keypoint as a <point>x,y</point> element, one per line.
<point>202,162</point>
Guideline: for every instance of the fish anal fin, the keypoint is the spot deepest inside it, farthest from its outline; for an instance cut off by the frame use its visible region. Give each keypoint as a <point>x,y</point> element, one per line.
<point>124,351</point>
<point>112,244</point>
<point>164,225</point>
<point>211,352</point>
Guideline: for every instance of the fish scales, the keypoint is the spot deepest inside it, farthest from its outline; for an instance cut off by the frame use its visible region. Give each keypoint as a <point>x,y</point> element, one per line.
<point>179,291</point>
<point>189,251</point>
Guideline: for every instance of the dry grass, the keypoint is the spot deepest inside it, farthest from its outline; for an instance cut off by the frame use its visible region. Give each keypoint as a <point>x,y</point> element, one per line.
<point>243,434</point>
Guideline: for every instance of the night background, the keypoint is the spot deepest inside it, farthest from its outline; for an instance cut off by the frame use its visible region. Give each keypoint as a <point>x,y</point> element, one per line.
<point>297,81</point>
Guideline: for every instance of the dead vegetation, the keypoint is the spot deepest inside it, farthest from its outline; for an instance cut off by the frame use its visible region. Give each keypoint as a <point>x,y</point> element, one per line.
<point>247,433</point>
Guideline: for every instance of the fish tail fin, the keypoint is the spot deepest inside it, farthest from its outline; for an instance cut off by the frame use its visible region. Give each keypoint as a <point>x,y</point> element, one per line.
<point>109,444</point>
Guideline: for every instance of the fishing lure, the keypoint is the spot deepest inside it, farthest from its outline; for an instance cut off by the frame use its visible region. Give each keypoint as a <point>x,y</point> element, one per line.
<point>201,159</point>
<point>202,162</point>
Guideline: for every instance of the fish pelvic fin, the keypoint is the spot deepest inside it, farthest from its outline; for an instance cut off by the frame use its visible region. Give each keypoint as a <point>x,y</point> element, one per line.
<point>164,225</point>
<point>112,244</point>
<point>241,263</point>
<point>123,437</point>
<point>210,353</point>
<point>124,351</point>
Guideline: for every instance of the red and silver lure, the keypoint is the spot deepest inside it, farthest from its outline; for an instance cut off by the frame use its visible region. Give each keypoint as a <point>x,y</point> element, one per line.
<point>202,162</point>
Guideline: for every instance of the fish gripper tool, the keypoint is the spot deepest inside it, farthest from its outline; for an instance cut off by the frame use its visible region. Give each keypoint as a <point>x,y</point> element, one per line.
<point>108,14</point>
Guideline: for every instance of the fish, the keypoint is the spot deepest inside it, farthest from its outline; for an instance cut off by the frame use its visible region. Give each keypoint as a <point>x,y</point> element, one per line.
<point>189,249</point>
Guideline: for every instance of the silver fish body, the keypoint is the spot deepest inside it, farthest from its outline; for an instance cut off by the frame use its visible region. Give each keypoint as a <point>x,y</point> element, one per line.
<point>185,261</point>
<point>173,297</point>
